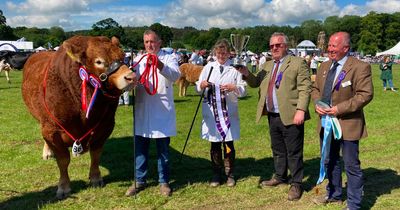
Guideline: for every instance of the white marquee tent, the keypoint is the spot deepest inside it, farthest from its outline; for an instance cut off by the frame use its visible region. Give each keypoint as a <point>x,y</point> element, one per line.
<point>306,44</point>
<point>392,51</point>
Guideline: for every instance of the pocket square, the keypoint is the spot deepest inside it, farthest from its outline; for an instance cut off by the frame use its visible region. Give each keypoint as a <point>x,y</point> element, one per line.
<point>347,83</point>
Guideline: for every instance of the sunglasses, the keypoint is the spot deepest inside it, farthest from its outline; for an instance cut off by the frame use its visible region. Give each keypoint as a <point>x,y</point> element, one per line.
<point>276,45</point>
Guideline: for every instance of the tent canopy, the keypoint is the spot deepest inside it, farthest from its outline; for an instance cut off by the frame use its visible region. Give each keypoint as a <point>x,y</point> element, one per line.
<point>306,44</point>
<point>40,48</point>
<point>392,51</point>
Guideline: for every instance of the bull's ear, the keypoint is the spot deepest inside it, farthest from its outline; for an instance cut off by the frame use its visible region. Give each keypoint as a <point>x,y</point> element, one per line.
<point>75,47</point>
<point>115,41</point>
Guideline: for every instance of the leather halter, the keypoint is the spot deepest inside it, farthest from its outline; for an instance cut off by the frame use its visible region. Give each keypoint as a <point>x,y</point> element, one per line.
<point>111,69</point>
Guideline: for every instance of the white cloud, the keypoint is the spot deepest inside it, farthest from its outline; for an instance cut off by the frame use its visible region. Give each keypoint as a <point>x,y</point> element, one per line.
<point>295,11</point>
<point>388,6</point>
<point>46,13</point>
<point>201,14</point>
<point>49,6</point>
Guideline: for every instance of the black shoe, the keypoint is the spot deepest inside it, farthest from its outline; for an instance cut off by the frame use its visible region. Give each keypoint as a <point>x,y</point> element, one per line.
<point>215,181</point>
<point>132,190</point>
<point>295,192</point>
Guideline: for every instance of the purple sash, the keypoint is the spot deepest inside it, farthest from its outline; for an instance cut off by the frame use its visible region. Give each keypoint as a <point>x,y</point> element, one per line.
<point>218,103</point>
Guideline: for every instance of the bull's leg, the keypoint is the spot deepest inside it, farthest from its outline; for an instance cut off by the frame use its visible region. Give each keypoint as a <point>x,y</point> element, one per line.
<point>55,143</point>
<point>94,175</point>
<point>186,85</point>
<point>180,84</point>
<point>8,78</point>
<point>63,159</point>
<point>47,152</point>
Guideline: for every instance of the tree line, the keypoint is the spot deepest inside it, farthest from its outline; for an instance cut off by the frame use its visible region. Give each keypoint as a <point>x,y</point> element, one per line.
<point>369,34</point>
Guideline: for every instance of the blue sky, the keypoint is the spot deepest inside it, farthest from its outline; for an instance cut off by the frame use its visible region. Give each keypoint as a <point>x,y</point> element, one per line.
<point>201,14</point>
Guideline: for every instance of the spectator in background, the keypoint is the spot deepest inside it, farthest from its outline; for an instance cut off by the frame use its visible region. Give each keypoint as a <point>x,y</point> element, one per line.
<point>314,64</point>
<point>194,57</point>
<point>262,60</point>
<point>386,74</point>
<point>254,60</point>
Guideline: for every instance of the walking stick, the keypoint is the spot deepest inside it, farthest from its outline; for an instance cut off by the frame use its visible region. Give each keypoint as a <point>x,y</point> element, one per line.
<point>195,114</point>
<point>134,126</point>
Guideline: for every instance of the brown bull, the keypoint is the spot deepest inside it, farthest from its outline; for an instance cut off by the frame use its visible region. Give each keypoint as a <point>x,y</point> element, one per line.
<point>190,73</point>
<point>52,89</point>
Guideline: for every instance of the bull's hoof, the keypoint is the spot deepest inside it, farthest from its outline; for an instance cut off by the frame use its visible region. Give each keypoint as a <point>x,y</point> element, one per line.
<point>97,183</point>
<point>47,155</point>
<point>63,193</point>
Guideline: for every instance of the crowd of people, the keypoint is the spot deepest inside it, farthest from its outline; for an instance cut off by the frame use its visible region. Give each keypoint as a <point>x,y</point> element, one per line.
<point>342,87</point>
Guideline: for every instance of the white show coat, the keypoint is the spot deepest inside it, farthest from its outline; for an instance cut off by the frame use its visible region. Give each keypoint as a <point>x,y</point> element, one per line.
<point>155,114</point>
<point>229,76</point>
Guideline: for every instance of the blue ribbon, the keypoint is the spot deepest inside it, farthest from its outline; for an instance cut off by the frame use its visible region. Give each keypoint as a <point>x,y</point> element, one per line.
<point>327,124</point>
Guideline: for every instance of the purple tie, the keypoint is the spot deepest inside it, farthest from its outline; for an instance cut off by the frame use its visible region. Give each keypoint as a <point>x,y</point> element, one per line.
<point>271,88</point>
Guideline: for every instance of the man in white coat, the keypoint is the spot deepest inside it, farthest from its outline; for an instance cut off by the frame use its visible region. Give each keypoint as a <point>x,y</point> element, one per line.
<point>220,123</point>
<point>155,115</point>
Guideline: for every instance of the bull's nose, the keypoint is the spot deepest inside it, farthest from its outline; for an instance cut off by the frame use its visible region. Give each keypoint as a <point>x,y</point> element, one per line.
<point>130,78</point>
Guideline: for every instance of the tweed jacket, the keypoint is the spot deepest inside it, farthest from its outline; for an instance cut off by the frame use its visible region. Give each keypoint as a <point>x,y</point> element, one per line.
<point>293,92</point>
<point>355,91</point>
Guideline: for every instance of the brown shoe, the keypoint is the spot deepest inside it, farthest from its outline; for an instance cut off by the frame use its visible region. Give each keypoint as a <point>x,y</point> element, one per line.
<point>132,190</point>
<point>165,189</point>
<point>230,182</point>
<point>323,200</point>
<point>295,192</point>
<point>271,183</point>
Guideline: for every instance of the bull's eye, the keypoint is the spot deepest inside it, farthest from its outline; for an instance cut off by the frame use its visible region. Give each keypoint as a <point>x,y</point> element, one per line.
<point>99,63</point>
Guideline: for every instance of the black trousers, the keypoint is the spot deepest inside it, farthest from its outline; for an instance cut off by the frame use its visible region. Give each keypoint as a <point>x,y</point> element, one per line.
<point>287,144</point>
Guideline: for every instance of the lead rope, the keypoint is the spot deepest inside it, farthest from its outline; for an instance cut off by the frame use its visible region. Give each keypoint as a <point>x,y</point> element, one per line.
<point>149,73</point>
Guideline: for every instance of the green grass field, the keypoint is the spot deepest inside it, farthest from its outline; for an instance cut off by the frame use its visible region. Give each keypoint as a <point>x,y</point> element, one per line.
<point>28,182</point>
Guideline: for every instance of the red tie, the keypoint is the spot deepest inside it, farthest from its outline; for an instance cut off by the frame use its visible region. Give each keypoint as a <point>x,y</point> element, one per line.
<point>271,88</point>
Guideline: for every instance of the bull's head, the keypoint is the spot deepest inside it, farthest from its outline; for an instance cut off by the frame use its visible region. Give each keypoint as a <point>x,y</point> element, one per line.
<point>102,57</point>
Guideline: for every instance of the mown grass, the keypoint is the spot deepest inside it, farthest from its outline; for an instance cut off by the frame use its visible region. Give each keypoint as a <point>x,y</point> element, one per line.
<point>28,182</point>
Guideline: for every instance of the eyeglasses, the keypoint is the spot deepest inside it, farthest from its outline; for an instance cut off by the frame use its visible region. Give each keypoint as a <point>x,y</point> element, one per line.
<point>279,45</point>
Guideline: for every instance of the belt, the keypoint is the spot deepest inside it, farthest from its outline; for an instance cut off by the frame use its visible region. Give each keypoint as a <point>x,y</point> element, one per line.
<point>273,114</point>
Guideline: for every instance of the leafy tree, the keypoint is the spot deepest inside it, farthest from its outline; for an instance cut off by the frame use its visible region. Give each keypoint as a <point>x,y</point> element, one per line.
<point>177,45</point>
<point>107,27</point>
<point>259,40</point>
<point>190,37</point>
<point>56,36</point>
<point>133,38</point>
<point>3,19</point>
<point>204,41</point>
<point>6,33</point>
<point>310,29</point>
<point>368,42</point>
<point>392,34</point>
<point>164,32</point>
<point>352,25</point>
<point>371,31</point>
<point>332,24</point>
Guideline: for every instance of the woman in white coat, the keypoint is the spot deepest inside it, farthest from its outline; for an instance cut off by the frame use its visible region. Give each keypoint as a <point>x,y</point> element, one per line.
<point>220,124</point>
